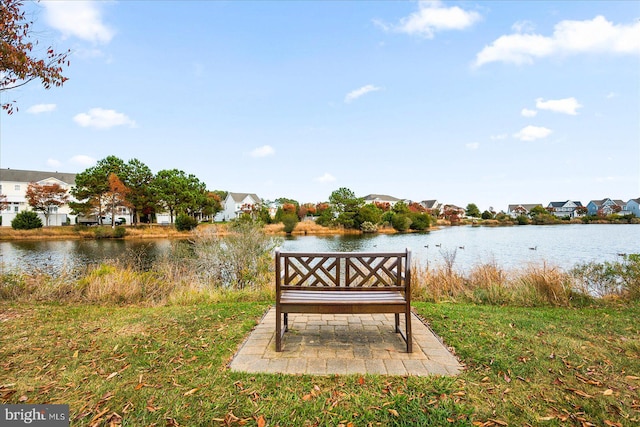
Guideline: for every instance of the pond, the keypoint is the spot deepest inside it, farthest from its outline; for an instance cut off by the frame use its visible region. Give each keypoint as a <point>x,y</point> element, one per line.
<point>509,247</point>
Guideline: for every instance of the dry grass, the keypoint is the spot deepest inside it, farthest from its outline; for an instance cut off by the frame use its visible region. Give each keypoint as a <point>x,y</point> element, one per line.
<point>488,283</point>
<point>304,228</point>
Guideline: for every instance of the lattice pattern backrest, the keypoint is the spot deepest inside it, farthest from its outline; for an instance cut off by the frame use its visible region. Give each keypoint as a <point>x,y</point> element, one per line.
<point>342,270</point>
<point>311,271</point>
<point>373,271</point>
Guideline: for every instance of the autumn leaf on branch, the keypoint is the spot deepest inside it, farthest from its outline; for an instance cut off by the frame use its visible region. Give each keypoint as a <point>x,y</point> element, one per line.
<point>19,63</point>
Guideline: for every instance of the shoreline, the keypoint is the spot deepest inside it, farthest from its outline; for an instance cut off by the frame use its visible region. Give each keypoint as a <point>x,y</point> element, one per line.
<point>304,228</point>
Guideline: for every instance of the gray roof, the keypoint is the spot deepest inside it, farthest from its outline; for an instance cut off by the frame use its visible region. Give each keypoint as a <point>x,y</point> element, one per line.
<point>526,206</point>
<point>238,197</point>
<point>383,197</point>
<point>17,175</point>
<point>601,202</point>
<point>561,204</point>
<point>429,204</point>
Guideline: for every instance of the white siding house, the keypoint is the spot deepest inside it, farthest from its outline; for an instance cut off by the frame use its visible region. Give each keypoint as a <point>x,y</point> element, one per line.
<point>381,198</point>
<point>567,208</point>
<point>515,211</point>
<point>14,183</point>
<point>237,203</point>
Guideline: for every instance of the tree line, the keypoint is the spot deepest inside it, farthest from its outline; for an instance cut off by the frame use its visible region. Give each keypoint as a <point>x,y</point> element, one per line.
<point>112,183</point>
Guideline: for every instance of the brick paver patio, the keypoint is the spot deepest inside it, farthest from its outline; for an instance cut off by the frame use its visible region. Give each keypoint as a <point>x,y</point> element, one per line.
<point>326,344</point>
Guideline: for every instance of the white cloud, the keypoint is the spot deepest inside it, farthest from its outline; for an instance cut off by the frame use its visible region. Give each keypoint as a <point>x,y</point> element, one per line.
<point>82,19</point>
<point>41,108</point>
<point>431,17</point>
<point>499,137</point>
<point>54,163</point>
<point>264,151</point>
<point>355,94</point>
<point>566,105</point>
<point>528,113</point>
<point>611,95</point>
<point>327,177</point>
<point>82,160</point>
<point>523,27</point>
<point>569,37</point>
<point>472,145</point>
<point>103,119</point>
<point>531,133</point>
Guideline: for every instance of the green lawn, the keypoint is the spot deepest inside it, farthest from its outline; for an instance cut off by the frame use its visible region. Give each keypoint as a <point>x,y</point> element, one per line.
<point>164,366</point>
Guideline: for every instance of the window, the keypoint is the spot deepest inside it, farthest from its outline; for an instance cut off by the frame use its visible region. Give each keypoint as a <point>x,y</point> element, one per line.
<point>16,209</point>
<point>16,187</point>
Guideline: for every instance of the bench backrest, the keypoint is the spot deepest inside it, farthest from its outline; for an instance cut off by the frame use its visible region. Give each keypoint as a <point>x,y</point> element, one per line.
<point>344,270</point>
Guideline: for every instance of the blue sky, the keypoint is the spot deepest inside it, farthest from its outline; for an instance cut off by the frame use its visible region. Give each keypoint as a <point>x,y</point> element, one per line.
<point>465,102</point>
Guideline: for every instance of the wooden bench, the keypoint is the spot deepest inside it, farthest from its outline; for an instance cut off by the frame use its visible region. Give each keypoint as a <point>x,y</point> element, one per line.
<point>343,283</point>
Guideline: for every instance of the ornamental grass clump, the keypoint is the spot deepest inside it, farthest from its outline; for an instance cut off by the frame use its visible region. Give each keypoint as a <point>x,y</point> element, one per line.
<point>543,285</point>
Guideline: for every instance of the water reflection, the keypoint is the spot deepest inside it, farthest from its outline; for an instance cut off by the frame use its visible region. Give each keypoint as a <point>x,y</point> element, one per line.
<point>508,247</point>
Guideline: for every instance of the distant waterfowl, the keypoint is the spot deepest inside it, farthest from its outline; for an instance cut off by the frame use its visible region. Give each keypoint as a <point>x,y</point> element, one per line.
<point>438,245</point>
<point>426,246</point>
<point>622,254</point>
<point>461,247</point>
<point>535,248</point>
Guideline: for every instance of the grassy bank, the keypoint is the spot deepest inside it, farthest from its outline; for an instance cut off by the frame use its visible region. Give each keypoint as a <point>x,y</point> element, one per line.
<point>166,365</point>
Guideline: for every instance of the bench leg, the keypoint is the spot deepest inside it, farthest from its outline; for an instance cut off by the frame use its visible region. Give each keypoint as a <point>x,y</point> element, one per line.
<point>397,322</point>
<point>407,316</point>
<point>278,330</point>
<point>286,322</point>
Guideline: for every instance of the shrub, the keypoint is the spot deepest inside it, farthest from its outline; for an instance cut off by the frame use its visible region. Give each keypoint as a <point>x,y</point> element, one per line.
<point>289,220</point>
<point>420,221</point>
<point>401,222</point>
<point>119,232</point>
<point>368,227</point>
<point>26,220</point>
<point>185,222</point>
<point>106,232</point>
<point>610,278</point>
<point>487,215</point>
<point>240,260</point>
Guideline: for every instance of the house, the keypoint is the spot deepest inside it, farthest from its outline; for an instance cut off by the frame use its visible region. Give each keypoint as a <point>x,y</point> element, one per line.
<point>453,210</point>
<point>236,204</point>
<point>381,200</point>
<point>14,184</point>
<point>633,207</point>
<point>605,207</point>
<point>515,211</point>
<point>564,209</point>
<point>432,206</point>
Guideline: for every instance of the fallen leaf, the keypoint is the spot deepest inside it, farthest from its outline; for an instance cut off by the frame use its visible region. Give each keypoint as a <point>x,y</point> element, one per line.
<point>75,354</point>
<point>580,393</point>
<point>393,412</point>
<point>499,422</point>
<point>361,380</point>
<point>23,398</point>
<point>113,374</point>
<point>261,421</point>
<point>608,392</point>
<point>190,392</point>
<point>546,418</point>
<point>632,377</point>
<point>612,424</point>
